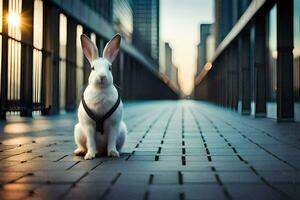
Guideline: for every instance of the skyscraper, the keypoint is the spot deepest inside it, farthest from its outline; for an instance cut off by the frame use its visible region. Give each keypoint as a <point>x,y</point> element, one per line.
<point>205,31</point>
<point>170,70</point>
<point>146,27</point>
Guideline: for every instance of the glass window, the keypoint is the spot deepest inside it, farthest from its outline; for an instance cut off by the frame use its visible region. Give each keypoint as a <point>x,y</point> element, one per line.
<point>14,50</point>
<point>297,58</point>
<point>1,14</point>
<point>37,53</point>
<point>297,50</point>
<point>272,56</point>
<point>62,57</point>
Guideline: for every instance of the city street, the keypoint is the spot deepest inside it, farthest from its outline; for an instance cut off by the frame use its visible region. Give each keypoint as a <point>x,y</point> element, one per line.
<point>174,150</point>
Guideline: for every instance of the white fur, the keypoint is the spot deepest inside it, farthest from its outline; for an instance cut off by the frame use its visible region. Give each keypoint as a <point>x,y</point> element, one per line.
<point>100,96</point>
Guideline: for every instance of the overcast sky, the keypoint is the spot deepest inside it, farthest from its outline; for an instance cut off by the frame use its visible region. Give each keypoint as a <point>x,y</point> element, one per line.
<point>180,20</point>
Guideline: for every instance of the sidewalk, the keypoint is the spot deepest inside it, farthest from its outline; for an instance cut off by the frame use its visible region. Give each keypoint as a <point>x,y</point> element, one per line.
<point>174,150</point>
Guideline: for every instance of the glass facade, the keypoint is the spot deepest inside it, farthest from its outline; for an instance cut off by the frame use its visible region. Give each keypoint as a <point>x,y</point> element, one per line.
<point>271,72</point>
<point>155,30</point>
<point>205,31</point>
<point>14,50</point>
<point>146,27</point>
<point>272,56</point>
<point>62,60</point>
<point>123,18</point>
<point>102,7</point>
<point>79,65</point>
<point>37,53</point>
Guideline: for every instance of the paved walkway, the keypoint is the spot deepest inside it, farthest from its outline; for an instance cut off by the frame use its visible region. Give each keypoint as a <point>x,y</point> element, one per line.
<point>175,150</point>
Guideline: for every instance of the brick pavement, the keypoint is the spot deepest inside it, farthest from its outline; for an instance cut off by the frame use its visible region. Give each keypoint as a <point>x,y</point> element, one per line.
<point>175,150</point>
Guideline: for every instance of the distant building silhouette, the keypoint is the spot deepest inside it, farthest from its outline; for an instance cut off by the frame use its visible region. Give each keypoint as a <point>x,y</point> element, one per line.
<point>205,31</point>
<point>170,70</point>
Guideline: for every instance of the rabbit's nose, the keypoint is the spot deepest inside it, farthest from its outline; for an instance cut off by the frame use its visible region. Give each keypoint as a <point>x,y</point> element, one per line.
<point>102,77</point>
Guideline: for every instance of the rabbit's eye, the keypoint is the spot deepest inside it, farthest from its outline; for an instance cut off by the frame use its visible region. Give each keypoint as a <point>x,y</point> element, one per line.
<point>109,68</point>
<point>93,68</point>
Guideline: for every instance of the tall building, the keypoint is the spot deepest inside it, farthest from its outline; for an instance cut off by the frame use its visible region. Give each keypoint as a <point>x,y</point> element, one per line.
<point>205,32</point>
<point>170,70</point>
<point>210,44</point>
<point>146,27</point>
<point>122,18</point>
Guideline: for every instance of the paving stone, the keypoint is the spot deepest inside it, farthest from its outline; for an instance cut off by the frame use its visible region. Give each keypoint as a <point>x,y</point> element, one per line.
<point>292,177</point>
<point>252,191</point>
<point>126,192</point>
<point>87,191</point>
<point>164,192</point>
<point>51,177</point>
<point>41,166</point>
<point>239,177</point>
<point>50,191</point>
<point>292,190</point>
<point>141,158</point>
<point>99,177</point>
<point>166,178</point>
<point>198,177</point>
<point>271,165</point>
<point>87,165</point>
<point>10,177</point>
<point>204,191</point>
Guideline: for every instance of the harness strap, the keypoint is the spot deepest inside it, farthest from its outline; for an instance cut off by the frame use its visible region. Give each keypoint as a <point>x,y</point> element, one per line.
<point>99,120</point>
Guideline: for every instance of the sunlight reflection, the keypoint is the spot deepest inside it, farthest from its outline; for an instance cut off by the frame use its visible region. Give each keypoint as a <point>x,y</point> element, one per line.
<point>208,66</point>
<point>19,128</point>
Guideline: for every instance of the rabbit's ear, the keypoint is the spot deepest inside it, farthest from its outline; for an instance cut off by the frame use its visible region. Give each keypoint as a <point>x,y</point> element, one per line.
<point>111,49</point>
<point>89,49</point>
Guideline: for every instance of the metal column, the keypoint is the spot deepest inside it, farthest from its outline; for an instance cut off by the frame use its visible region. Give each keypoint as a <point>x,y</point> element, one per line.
<point>27,58</point>
<point>50,79</point>
<point>285,45</point>
<point>71,66</point>
<point>260,67</point>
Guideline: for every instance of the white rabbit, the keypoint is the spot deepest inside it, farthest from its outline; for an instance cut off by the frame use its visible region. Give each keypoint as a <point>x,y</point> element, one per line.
<point>100,96</point>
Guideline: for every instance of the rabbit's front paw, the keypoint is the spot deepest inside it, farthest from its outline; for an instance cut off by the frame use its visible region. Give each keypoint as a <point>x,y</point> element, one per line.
<point>90,155</point>
<point>79,152</point>
<point>113,153</point>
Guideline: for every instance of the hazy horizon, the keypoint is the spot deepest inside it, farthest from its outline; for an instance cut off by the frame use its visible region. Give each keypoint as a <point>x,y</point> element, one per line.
<point>179,22</point>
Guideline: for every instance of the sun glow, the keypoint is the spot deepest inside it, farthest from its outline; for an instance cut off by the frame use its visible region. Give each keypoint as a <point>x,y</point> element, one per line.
<point>208,66</point>
<point>14,19</point>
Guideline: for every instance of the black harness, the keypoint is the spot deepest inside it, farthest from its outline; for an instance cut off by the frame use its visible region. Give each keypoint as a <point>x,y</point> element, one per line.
<point>99,120</point>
